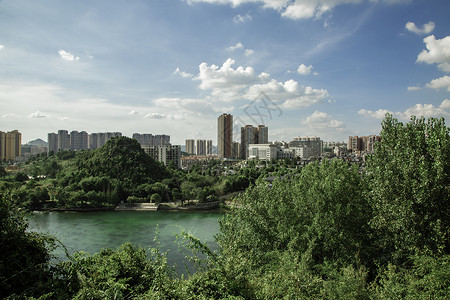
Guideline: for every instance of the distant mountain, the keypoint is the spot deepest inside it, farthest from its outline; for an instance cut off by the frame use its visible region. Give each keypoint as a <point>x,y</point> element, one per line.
<point>38,143</point>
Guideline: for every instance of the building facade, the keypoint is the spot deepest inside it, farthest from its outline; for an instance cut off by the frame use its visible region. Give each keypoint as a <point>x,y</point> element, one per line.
<point>165,154</point>
<point>362,144</point>
<point>10,145</point>
<point>225,136</point>
<point>263,151</point>
<point>190,146</point>
<point>209,148</point>
<point>200,147</point>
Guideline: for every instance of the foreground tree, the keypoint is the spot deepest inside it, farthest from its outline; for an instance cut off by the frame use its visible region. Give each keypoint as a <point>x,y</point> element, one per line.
<point>24,259</point>
<point>409,183</point>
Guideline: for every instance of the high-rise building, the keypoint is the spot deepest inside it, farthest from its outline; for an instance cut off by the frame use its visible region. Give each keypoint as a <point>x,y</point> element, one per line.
<point>63,140</point>
<point>78,140</point>
<point>200,147</point>
<point>252,135</point>
<point>249,135</point>
<point>209,147</point>
<point>96,140</point>
<point>263,134</point>
<point>225,136</point>
<point>10,145</point>
<point>146,139</point>
<point>165,154</point>
<point>306,147</point>
<point>236,150</point>
<point>360,144</point>
<point>52,140</point>
<point>190,146</point>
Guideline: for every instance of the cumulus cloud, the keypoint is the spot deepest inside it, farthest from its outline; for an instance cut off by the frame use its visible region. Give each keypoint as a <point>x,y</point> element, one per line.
<point>443,82</point>
<point>67,56</point>
<point>242,19</point>
<point>323,121</point>
<point>379,114</point>
<point>154,116</point>
<point>1,46</point>
<point>37,115</point>
<point>225,82</point>
<point>304,70</point>
<point>238,45</point>
<point>182,73</point>
<point>133,112</point>
<point>438,52</point>
<point>298,9</point>
<point>426,28</point>
<point>163,116</point>
<point>289,93</point>
<point>228,84</point>
<point>414,88</point>
<point>419,110</point>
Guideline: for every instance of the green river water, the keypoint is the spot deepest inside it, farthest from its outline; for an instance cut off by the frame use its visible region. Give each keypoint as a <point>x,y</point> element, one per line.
<point>94,231</point>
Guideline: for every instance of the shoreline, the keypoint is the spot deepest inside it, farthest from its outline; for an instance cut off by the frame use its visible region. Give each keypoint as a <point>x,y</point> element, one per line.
<point>170,206</point>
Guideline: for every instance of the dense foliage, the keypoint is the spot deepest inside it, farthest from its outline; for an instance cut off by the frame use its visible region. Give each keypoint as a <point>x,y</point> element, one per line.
<point>330,230</point>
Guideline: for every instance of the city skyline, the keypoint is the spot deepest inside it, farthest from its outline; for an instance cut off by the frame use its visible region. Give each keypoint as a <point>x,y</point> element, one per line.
<point>328,68</point>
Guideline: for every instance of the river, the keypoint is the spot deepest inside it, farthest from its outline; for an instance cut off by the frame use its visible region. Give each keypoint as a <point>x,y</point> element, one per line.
<point>94,231</point>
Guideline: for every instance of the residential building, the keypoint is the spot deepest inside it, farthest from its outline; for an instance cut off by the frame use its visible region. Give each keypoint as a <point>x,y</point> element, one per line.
<point>209,148</point>
<point>362,144</point>
<point>145,139</point>
<point>263,134</point>
<point>263,151</point>
<point>78,140</point>
<point>225,136</point>
<point>63,140</point>
<point>52,140</point>
<point>10,145</point>
<point>236,150</point>
<point>165,154</point>
<point>249,135</point>
<point>200,147</point>
<point>306,147</point>
<point>190,146</point>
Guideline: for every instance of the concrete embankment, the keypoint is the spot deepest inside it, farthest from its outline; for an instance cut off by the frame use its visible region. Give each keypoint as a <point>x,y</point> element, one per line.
<point>137,206</point>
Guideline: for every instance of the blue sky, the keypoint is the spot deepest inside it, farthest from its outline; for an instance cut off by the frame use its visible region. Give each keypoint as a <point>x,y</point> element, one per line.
<point>327,68</point>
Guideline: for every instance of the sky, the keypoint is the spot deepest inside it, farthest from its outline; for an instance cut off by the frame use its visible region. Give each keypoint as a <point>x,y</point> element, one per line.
<point>326,68</point>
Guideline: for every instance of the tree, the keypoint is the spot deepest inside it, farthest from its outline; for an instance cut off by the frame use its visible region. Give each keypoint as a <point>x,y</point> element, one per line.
<point>155,198</point>
<point>3,172</point>
<point>409,182</point>
<point>25,256</point>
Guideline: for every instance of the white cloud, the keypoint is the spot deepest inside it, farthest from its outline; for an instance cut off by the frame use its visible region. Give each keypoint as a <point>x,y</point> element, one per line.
<point>200,107</point>
<point>9,115</point>
<point>443,82</point>
<point>249,52</point>
<point>228,84</point>
<point>155,116</point>
<point>298,9</point>
<point>182,73</point>
<point>426,28</point>
<point>37,115</point>
<point>242,19</point>
<point>414,88</point>
<point>1,47</point>
<point>238,45</point>
<point>379,114</point>
<point>290,93</point>
<point>67,55</point>
<point>438,52</point>
<point>419,110</point>
<point>304,70</point>
<point>133,112</point>
<point>163,116</point>
<point>323,121</point>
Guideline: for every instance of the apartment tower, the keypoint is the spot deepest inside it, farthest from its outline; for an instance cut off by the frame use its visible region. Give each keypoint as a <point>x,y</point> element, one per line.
<point>225,136</point>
